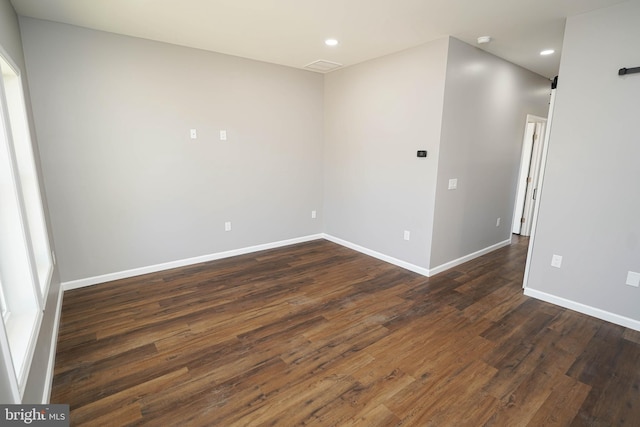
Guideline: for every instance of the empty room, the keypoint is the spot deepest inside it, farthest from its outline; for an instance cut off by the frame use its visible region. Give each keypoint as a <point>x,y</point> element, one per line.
<point>332,213</point>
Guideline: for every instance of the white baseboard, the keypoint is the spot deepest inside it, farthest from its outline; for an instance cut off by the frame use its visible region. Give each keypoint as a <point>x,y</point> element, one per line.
<point>48,381</point>
<point>406,265</point>
<point>81,283</point>
<point>584,309</point>
<point>75,284</point>
<point>462,260</point>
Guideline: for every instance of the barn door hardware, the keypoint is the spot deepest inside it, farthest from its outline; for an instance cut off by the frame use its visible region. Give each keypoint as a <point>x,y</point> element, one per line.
<point>623,71</point>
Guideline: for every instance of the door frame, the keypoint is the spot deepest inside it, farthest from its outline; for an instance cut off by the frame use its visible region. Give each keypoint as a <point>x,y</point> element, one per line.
<point>543,166</point>
<point>531,156</point>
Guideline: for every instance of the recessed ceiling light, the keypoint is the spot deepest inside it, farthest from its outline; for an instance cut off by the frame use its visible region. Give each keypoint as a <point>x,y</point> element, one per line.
<point>331,42</point>
<point>547,52</point>
<point>484,39</point>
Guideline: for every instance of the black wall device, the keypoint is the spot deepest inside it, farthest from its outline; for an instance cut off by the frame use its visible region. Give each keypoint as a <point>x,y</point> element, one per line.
<point>422,153</point>
<point>624,71</point>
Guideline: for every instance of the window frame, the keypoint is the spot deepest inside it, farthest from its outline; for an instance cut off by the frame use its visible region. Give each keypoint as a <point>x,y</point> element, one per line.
<point>24,284</point>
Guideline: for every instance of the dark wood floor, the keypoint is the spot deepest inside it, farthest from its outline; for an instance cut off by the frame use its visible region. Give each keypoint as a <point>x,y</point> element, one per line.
<point>319,334</point>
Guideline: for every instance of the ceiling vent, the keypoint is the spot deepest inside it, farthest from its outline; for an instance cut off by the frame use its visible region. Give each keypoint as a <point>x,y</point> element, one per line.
<point>322,66</point>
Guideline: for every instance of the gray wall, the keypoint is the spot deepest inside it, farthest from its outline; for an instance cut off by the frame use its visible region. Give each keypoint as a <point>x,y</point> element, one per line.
<point>468,109</point>
<point>590,199</point>
<point>11,43</point>
<point>486,104</point>
<point>377,115</point>
<point>128,188</point>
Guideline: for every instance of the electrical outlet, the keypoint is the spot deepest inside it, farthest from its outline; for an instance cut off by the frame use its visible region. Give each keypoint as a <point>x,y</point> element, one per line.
<point>223,135</point>
<point>633,279</point>
<point>407,235</point>
<point>194,134</point>
<point>498,222</point>
<point>227,226</point>
<point>313,214</point>
<point>556,261</point>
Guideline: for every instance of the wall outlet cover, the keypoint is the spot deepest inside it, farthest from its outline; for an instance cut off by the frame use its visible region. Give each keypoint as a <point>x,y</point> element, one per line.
<point>633,279</point>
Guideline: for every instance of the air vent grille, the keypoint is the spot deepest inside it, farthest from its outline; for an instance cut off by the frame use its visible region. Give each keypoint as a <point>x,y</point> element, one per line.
<point>322,66</point>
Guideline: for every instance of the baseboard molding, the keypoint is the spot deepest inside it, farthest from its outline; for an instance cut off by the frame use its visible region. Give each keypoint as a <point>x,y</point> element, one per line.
<point>462,260</point>
<point>48,381</point>
<point>584,309</point>
<point>81,283</point>
<point>406,265</point>
<point>90,281</point>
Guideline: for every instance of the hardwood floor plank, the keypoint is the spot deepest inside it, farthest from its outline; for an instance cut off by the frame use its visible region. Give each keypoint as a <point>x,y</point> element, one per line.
<point>98,350</point>
<point>614,398</point>
<point>463,388</point>
<point>119,416</point>
<point>432,395</point>
<point>317,334</point>
<point>563,403</point>
<point>203,393</point>
<point>574,331</point>
<point>363,400</point>
<point>631,335</point>
<point>128,398</point>
<point>376,416</point>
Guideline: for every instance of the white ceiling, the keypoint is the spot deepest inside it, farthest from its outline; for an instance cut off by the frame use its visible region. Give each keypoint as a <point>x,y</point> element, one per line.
<point>292,32</point>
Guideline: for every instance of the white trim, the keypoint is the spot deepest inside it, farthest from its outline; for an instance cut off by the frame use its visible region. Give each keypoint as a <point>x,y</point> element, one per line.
<point>462,260</point>
<point>584,309</point>
<point>81,283</point>
<point>8,365</point>
<point>406,265</point>
<point>525,158</point>
<point>48,381</point>
<point>89,281</point>
<point>536,207</point>
<point>412,267</point>
<point>31,350</point>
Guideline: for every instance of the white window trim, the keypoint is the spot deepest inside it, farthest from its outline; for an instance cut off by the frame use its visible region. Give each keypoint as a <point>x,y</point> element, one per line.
<point>22,319</point>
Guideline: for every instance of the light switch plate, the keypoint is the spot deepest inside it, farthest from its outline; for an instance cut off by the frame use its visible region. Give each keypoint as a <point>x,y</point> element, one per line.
<point>453,183</point>
<point>556,261</point>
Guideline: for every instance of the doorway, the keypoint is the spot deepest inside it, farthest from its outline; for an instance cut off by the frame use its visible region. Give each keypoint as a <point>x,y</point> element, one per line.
<point>528,178</point>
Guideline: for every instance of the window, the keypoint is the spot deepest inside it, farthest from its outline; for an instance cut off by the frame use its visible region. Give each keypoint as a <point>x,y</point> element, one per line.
<point>26,262</point>
<point>28,176</point>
